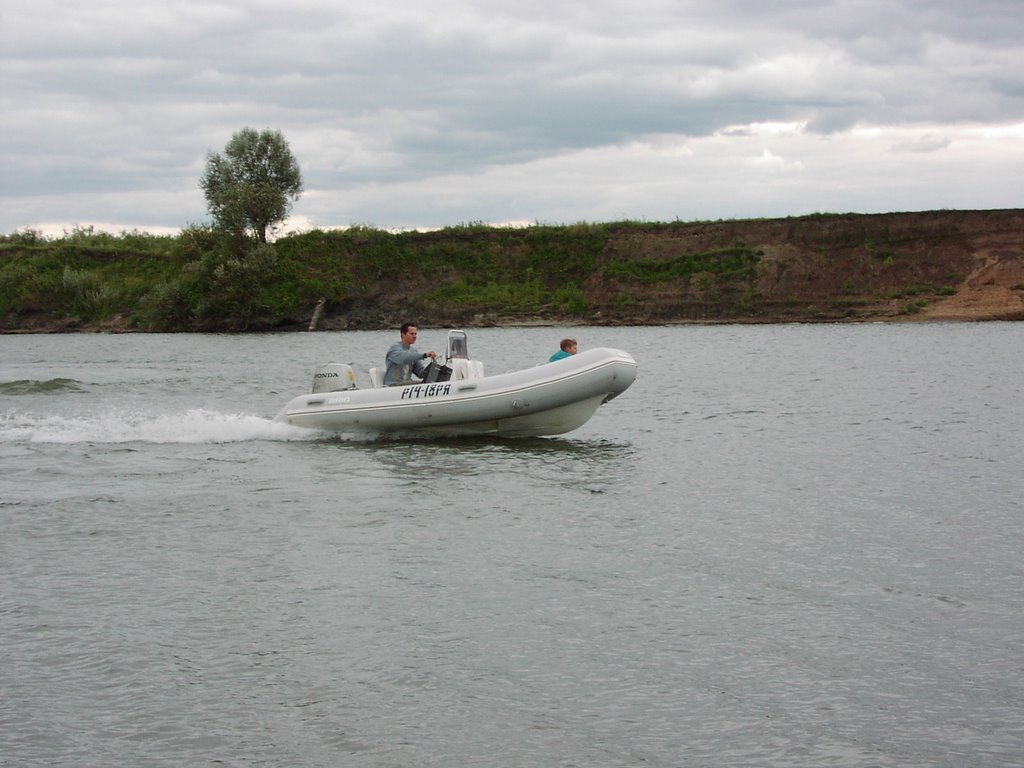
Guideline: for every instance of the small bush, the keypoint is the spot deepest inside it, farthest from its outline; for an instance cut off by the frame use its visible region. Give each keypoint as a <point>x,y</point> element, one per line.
<point>87,294</point>
<point>26,238</point>
<point>168,306</point>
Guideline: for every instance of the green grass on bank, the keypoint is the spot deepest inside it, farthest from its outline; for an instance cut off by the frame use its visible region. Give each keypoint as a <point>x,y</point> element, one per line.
<point>198,280</point>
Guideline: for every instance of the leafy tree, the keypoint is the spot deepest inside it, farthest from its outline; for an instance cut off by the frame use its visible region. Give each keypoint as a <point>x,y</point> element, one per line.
<point>250,188</point>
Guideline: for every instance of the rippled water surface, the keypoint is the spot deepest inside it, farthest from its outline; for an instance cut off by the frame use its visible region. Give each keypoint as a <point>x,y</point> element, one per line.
<point>783,546</point>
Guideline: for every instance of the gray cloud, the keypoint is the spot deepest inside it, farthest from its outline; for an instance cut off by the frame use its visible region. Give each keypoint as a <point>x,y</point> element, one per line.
<point>399,112</point>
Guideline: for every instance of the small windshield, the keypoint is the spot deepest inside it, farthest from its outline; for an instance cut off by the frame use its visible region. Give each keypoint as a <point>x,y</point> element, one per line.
<point>458,346</point>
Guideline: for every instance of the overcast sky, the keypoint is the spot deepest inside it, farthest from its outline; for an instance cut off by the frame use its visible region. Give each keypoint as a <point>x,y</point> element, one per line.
<point>413,114</point>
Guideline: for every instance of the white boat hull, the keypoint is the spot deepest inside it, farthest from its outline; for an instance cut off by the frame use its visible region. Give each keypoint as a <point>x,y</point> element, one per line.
<point>549,399</point>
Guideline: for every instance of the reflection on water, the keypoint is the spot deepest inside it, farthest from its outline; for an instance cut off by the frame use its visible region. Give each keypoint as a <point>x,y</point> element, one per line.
<point>467,466</point>
<point>479,453</point>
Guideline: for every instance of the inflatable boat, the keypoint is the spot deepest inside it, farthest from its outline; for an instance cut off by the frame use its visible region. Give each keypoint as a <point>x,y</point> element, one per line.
<point>455,398</point>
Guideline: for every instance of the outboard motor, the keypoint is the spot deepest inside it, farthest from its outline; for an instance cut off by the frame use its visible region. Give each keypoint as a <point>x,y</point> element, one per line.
<point>333,377</point>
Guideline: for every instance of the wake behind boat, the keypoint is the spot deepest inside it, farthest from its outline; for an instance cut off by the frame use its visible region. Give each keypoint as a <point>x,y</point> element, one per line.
<point>456,398</point>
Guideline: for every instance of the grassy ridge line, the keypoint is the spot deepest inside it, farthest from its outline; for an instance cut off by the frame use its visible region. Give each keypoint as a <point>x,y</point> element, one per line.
<point>818,267</point>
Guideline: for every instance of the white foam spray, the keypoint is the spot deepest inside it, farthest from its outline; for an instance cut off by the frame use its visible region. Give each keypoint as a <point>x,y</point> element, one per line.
<point>192,426</point>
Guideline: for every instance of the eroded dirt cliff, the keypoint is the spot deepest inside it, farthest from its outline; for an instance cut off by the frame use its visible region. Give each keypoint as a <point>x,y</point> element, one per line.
<point>965,265</point>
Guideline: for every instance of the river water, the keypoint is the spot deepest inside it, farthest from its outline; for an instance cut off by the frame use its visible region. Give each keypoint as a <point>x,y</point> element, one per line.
<point>783,546</point>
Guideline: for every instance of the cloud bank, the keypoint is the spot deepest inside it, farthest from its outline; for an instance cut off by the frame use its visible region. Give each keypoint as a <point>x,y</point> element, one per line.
<point>412,115</point>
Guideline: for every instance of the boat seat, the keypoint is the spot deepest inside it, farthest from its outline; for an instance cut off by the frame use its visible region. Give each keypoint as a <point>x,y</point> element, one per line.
<point>376,378</point>
<point>466,369</point>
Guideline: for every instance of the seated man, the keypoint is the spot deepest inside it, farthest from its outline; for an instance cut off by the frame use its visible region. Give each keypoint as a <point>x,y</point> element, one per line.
<point>403,359</point>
